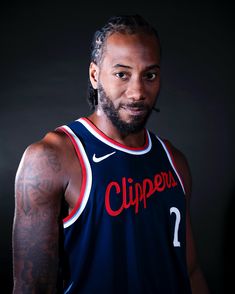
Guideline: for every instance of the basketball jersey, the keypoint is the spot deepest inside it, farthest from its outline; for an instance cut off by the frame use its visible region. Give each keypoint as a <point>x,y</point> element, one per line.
<point>127,232</point>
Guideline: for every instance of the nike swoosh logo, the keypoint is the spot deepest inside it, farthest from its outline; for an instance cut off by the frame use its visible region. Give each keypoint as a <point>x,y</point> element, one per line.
<point>98,159</point>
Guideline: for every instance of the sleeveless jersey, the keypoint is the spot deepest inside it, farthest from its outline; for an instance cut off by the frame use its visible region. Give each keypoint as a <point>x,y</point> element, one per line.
<point>127,232</point>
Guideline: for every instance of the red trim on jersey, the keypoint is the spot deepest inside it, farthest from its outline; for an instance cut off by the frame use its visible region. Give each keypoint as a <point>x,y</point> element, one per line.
<point>173,161</point>
<point>84,175</point>
<point>113,141</point>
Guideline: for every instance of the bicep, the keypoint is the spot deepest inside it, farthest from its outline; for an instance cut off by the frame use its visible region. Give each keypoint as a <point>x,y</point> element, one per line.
<point>190,246</point>
<point>36,220</point>
<point>35,183</point>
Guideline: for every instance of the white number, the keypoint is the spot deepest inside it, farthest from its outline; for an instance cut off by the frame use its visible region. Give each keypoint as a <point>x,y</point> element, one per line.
<point>176,242</point>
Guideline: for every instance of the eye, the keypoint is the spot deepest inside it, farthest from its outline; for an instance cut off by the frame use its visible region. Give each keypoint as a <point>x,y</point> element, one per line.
<point>150,76</point>
<point>121,75</point>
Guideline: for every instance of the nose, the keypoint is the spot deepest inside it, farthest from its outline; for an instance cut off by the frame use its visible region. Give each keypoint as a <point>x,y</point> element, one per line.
<point>136,90</point>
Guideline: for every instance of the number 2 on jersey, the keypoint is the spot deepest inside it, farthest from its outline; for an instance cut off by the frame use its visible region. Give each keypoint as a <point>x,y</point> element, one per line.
<point>176,211</point>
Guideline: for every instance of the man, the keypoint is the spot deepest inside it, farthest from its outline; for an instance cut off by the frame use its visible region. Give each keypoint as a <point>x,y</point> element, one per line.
<point>127,226</point>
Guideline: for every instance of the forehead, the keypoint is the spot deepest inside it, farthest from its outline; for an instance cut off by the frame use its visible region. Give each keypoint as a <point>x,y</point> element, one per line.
<point>132,48</point>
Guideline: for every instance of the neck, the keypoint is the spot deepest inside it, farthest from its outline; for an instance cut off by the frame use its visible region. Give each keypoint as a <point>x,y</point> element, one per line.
<point>134,140</point>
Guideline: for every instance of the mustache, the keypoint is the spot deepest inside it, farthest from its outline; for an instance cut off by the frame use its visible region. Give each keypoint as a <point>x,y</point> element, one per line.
<point>139,105</point>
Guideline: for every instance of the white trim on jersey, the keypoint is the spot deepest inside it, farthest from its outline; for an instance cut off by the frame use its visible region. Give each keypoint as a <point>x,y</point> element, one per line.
<point>172,163</point>
<point>113,145</point>
<point>88,172</point>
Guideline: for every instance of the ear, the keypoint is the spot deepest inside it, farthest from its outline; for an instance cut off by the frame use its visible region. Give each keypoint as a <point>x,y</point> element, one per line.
<point>93,74</point>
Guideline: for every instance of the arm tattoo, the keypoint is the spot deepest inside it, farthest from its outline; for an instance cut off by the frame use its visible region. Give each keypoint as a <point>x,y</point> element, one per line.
<point>33,182</point>
<point>53,161</point>
<point>36,224</point>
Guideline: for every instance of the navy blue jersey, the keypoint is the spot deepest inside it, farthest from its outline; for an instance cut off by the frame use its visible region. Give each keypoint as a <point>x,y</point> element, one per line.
<point>127,232</point>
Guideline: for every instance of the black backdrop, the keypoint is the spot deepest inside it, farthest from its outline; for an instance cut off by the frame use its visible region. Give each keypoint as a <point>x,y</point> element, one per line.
<point>44,69</point>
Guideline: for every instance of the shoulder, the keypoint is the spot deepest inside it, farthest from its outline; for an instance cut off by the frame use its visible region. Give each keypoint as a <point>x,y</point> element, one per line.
<point>181,164</point>
<point>53,142</point>
<point>47,158</point>
<point>50,145</point>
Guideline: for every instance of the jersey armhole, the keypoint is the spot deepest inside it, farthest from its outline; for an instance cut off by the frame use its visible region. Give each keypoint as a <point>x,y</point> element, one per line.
<point>86,177</point>
<point>166,145</point>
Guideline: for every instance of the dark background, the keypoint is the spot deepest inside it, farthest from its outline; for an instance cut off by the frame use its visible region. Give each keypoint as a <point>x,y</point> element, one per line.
<point>44,69</point>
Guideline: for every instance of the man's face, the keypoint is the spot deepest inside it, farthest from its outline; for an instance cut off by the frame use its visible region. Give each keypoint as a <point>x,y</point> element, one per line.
<point>129,80</point>
<point>133,125</point>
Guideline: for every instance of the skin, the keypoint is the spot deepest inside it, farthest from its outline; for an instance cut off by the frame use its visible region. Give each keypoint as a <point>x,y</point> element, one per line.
<point>131,80</point>
<point>49,170</point>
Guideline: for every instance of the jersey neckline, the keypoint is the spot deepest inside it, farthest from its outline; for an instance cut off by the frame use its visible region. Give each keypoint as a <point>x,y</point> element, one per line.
<point>114,144</point>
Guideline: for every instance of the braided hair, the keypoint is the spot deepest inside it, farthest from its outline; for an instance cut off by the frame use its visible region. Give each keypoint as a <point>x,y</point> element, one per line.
<point>125,24</point>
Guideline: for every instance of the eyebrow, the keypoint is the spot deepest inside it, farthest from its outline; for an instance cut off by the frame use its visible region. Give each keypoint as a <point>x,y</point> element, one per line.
<point>129,67</point>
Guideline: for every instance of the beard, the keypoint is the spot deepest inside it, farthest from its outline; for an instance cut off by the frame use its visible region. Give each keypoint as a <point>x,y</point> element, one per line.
<point>137,122</point>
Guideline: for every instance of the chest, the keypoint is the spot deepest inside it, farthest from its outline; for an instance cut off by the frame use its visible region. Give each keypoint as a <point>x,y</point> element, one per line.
<point>120,181</point>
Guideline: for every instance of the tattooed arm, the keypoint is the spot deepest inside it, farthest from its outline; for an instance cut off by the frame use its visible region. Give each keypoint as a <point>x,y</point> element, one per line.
<point>39,185</point>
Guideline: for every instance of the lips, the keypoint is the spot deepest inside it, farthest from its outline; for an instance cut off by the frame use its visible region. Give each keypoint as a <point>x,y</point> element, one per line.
<point>135,109</point>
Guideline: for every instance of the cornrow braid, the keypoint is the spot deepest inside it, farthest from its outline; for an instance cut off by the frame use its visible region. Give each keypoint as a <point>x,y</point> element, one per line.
<point>124,24</point>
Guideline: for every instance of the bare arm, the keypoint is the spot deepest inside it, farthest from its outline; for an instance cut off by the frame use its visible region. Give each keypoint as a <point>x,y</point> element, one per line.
<point>197,279</point>
<point>38,191</point>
